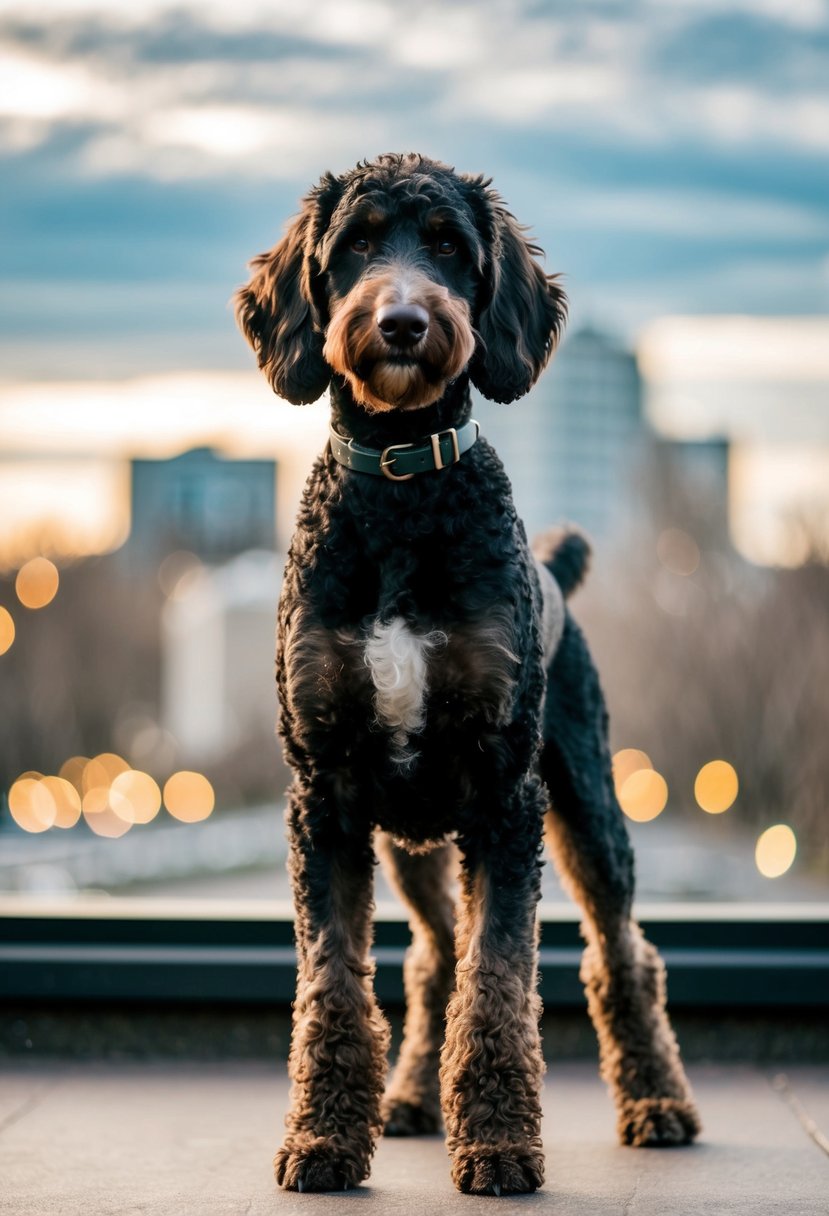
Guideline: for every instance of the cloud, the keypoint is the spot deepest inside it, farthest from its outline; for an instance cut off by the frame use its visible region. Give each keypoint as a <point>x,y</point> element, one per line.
<point>718,72</point>
<point>663,151</point>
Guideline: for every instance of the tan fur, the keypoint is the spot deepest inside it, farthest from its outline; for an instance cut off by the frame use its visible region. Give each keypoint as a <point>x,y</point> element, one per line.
<point>491,1063</point>
<point>353,341</point>
<point>340,1038</point>
<point>624,979</point>
<point>640,1062</point>
<point>479,666</point>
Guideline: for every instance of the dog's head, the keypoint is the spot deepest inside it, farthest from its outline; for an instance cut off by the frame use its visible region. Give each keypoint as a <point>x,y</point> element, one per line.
<point>400,276</point>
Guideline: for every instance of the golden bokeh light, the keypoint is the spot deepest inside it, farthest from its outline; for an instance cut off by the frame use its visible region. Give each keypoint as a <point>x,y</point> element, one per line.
<point>776,850</point>
<point>138,797</point>
<point>100,814</point>
<point>95,800</point>
<point>643,795</point>
<point>716,786</point>
<point>102,820</point>
<point>37,583</point>
<point>6,630</point>
<point>627,762</point>
<point>189,796</point>
<point>102,770</point>
<point>67,801</point>
<point>31,804</point>
<point>72,770</point>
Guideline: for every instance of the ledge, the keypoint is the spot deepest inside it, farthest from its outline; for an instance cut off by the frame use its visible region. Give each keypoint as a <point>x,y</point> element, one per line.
<point>241,953</point>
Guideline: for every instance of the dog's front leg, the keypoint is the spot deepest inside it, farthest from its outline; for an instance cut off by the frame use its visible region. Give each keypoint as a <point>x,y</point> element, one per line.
<point>492,1066</point>
<point>340,1038</point>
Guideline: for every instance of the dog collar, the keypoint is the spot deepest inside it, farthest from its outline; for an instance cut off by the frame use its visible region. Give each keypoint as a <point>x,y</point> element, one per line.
<point>401,461</point>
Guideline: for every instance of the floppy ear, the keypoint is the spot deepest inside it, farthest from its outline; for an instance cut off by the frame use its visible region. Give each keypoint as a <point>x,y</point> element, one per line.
<point>275,312</point>
<point>521,311</point>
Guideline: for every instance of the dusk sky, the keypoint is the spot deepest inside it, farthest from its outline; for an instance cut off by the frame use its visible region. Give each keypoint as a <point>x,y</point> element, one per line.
<point>672,157</point>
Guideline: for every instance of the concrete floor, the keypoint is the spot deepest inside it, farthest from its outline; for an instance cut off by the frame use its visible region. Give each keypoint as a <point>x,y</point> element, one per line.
<point>197,1140</point>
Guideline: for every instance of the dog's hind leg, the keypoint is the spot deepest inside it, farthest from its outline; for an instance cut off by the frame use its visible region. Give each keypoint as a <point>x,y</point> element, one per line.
<point>340,1039</point>
<point>622,972</point>
<point>411,1105</point>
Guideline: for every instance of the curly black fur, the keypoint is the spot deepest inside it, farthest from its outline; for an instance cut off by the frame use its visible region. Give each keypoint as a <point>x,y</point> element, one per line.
<point>566,554</point>
<point>450,746</point>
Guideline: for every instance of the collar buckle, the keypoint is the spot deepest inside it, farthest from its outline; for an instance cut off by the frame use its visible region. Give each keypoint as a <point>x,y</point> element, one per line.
<point>386,462</point>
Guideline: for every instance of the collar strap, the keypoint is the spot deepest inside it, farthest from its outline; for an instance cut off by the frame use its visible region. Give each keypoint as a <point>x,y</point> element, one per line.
<point>401,461</point>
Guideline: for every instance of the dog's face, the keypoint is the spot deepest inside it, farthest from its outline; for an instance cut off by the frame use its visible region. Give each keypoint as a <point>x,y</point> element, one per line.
<point>400,276</point>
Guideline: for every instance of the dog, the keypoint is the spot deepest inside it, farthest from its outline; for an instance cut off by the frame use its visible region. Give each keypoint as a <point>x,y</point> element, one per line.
<point>436,695</point>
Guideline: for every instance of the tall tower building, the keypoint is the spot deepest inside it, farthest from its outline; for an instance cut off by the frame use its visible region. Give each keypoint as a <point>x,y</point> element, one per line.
<point>574,447</point>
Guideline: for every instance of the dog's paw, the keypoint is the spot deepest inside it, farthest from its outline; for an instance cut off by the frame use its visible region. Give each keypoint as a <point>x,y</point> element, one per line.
<point>658,1123</point>
<point>317,1163</point>
<point>497,1169</point>
<point>409,1118</point>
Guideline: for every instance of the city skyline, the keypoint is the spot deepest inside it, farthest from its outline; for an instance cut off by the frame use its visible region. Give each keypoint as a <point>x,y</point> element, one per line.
<point>60,465</point>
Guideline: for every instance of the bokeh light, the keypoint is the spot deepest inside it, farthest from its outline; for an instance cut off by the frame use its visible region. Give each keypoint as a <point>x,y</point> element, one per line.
<point>72,770</point>
<point>67,801</point>
<point>627,762</point>
<point>678,551</point>
<point>643,795</point>
<point>776,850</point>
<point>137,796</point>
<point>716,786</point>
<point>37,583</point>
<point>101,771</point>
<point>6,630</point>
<point>31,804</point>
<point>95,800</point>
<point>189,796</point>
<point>99,812</point>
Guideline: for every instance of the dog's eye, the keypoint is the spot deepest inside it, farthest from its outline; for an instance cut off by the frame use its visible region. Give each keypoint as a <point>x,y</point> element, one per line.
<point>359,244</point>
<point>446,247</point>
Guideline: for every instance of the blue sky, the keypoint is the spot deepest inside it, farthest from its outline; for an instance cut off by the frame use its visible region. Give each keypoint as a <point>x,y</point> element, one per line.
<point>671,156</point>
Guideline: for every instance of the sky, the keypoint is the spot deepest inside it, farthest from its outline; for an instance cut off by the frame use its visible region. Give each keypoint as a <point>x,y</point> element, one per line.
<point>671,155</point>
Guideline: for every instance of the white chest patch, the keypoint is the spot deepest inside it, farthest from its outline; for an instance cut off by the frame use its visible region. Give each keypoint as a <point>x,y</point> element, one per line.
<point>398,661</point>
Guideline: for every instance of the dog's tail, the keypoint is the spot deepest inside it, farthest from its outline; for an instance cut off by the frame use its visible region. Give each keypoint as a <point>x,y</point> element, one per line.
<point>565,551</point>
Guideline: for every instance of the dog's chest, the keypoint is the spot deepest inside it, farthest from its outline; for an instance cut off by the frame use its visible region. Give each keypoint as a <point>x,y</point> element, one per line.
<point>398,660</point>
<point>399,678</point>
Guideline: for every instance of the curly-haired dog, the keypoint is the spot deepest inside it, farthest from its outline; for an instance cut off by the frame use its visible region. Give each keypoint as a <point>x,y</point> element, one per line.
<point>434,686</point>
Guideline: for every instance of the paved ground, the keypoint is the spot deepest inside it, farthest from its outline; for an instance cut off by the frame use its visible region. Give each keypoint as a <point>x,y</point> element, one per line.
<point>186,1140</point>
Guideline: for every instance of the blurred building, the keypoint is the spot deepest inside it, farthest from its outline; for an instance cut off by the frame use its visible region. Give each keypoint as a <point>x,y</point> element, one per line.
<point>207,504</point>
<point>764,383</point>
<point>574,447</point>
<point>217,656</point>
<point>689,484</point>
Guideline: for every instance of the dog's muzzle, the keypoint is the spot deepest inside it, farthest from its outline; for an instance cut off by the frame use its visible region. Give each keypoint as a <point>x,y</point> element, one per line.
<point>402,325</point>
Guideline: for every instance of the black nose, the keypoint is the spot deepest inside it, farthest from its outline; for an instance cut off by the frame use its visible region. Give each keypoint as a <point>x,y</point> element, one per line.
<point>402,324</point>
